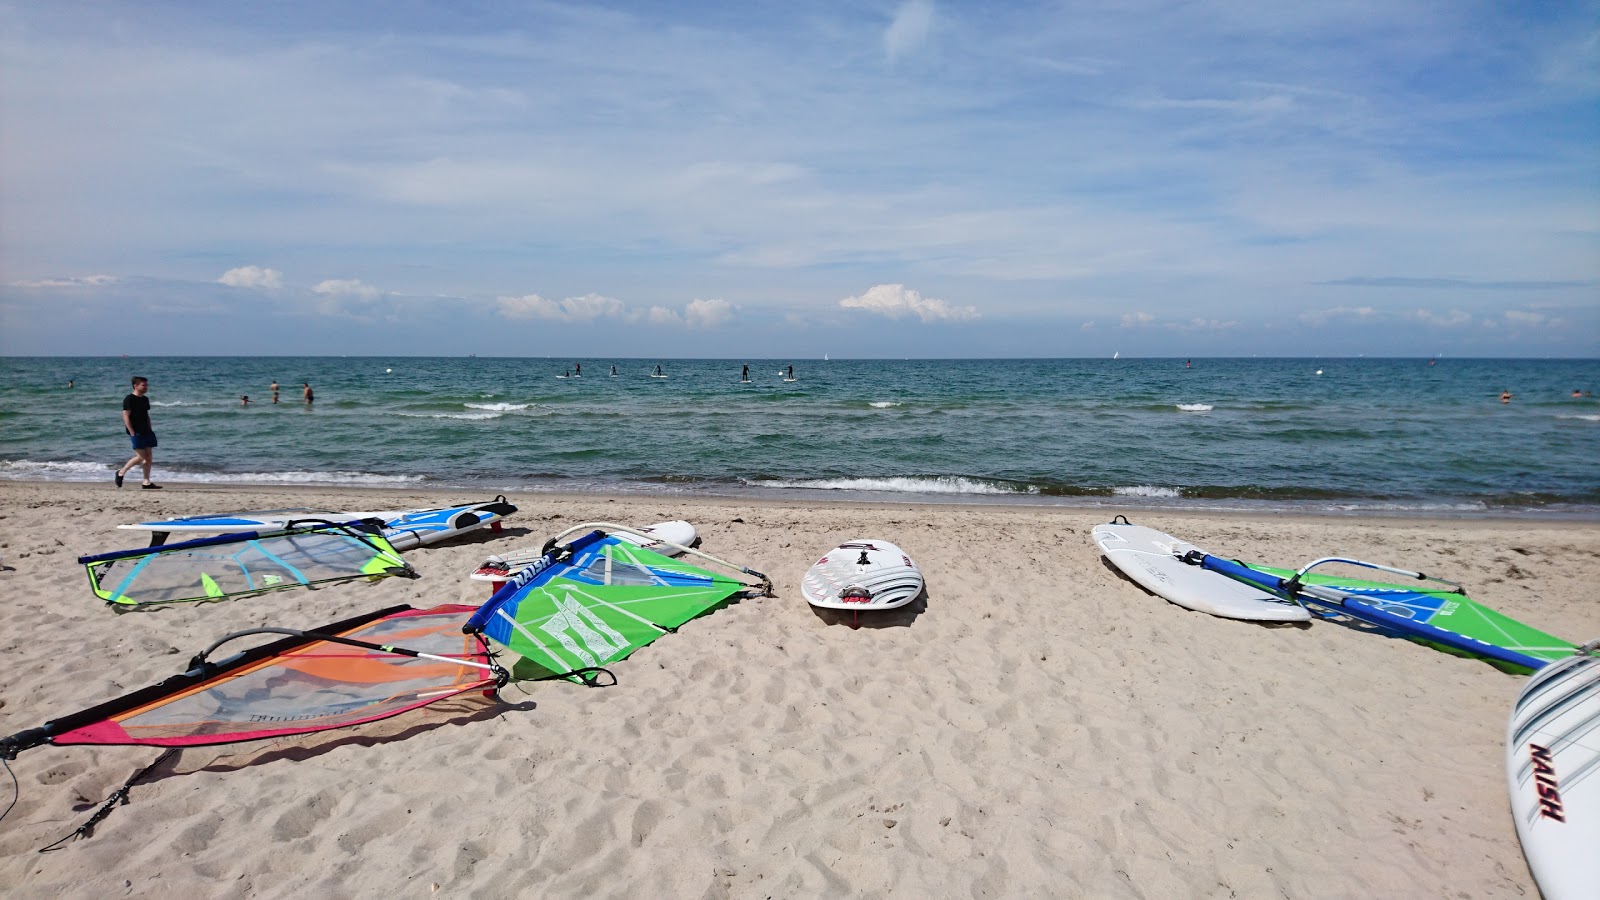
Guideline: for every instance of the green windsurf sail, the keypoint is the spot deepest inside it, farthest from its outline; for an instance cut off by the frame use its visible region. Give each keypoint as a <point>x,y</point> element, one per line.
<point>596,600</point>
<point>243,564</point>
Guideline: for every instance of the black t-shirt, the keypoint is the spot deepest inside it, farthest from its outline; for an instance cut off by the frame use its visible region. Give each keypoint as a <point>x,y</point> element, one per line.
<point>138,409</point>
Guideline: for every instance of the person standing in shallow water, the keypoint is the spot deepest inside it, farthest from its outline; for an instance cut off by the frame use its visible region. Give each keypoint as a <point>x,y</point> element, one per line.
<point>136,421</point>
<point>309,395</point>
<point>274,392</point>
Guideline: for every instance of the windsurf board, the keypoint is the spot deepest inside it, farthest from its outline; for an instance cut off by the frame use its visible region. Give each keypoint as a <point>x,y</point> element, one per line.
<point>862,575</point>
<point>659,537</point>
<point>1553,772</point>
<point>1150,558</point>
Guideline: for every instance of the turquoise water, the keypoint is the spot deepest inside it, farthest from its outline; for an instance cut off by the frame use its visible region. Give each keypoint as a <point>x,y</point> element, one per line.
<point>1363,435</point>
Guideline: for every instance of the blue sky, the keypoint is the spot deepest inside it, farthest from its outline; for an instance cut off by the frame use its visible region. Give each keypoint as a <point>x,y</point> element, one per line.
<point>793,179</point>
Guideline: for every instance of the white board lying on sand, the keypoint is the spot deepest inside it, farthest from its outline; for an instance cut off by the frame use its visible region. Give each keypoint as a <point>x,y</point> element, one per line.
<point>862,575</point>
<point>659,537</point>
<point>1150,558</point>
<point>1553,771</point>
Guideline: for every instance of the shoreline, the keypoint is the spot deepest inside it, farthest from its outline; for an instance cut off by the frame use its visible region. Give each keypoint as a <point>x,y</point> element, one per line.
<point>1039,725</point>
<point>447,494</point>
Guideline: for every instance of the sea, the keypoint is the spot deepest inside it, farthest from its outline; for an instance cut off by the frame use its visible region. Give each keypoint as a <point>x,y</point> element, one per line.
<point>1325,435</point>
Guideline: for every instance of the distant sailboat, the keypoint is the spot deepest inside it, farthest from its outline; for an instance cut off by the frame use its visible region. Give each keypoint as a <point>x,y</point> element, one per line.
<point>824,357</point>
<point>1116,354</point>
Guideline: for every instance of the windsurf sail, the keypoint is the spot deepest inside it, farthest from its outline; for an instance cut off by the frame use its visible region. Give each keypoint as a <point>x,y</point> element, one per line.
<point>243,564</point>
<point>596,600</point>
<point>1443,616</point>
<point>359,670</point>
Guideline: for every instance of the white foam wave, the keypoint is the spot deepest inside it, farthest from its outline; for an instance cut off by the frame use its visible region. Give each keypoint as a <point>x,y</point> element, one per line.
<point>31,470</point>
<point>1147,490</point>
<point>177,403</point>
<point>351,478</point>
<point>28,470</point>
<point>946,484</point>
<point>1196,407</point>
<point>470,417</point>
<point>499,407</point>
<point>1594,418</point>
<point>884,404</point>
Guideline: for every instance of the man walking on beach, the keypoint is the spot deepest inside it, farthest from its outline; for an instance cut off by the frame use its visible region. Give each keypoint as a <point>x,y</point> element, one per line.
<point>136,421</point>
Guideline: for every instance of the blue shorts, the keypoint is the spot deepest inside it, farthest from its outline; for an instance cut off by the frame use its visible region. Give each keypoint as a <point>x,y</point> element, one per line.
<point>143,439</point>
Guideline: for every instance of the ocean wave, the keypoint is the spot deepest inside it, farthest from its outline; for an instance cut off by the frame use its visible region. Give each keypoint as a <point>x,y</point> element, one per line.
<point>498,407</point>
<point>35,470</point>
<point>1147,490</point>
<point>336,478</point>
<point>29,470</point>
<point>885,404</point>
<point>1589,418</point>
<point>1196,407</point>
<point>470,417</point>
<point>180,403</point>
<point>943,484</point>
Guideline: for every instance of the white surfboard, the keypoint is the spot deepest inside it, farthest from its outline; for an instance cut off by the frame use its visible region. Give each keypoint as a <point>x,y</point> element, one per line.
<point>1553,772</point>
<point>1150,558</point>
<point>658,537</point>
<point>862,575</point>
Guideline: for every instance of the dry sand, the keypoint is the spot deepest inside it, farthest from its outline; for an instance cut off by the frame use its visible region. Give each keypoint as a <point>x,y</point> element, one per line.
<point>1040,727</point>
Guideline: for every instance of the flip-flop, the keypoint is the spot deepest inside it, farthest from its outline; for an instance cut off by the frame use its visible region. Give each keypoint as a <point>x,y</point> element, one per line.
<point>151,487</point>
<point>119,479</point>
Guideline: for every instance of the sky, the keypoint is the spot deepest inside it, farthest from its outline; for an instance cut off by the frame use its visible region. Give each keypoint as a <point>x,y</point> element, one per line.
<point>778,179</point>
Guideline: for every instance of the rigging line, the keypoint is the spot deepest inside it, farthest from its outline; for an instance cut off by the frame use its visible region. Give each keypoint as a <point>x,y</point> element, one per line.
<point>16,788</point>
<point>118,798</point>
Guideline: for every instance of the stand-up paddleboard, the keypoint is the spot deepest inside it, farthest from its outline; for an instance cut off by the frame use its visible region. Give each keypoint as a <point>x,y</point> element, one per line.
<point>1150,558</point>
<point>862,576</point>
<point>404,529</point>
<point>660,537</point>
<point>1553,771</point>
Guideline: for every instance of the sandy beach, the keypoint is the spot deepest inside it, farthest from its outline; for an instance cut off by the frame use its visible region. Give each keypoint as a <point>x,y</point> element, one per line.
<point>1039,727</point>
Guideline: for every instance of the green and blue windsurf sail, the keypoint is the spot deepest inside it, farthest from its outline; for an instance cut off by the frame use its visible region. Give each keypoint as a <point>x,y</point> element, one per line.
<point>243,564</point>
<point>1445,617</point>
<point>595,601</point>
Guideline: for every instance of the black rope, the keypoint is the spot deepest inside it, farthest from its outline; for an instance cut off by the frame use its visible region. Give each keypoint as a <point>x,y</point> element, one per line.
<point>16,788</point>
<point>590,676</point>
<point>117,798</point>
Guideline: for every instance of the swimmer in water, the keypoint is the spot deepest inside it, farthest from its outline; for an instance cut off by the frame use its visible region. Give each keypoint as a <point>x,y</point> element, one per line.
<point>1505,396</point>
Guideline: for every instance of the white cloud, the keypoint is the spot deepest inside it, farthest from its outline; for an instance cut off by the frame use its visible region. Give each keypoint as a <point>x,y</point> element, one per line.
<point>347,287</point>
<point>1199,324</point>
<point>1452,319</point>
<point>1527,317</point>
<point>660,315</point>
<point>909,30</point>
<point>707,313</point>
<point>71,281</point>
<point>1134,320</point>
<point>573,309</point>
<point>1322,316</point>
<point>1087,326</point>
<point>896,301</point>
<point>252,277</point>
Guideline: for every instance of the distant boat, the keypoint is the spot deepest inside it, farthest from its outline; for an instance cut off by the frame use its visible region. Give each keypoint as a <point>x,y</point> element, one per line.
<point>824,357</point>
<point>1116,354</point>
